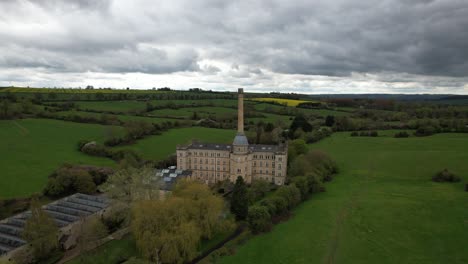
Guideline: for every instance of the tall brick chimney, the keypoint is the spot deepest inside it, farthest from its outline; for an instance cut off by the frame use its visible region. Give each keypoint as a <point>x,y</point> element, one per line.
<point>240,112</point>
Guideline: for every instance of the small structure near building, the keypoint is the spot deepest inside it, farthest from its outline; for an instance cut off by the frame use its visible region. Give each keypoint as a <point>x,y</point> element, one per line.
<point>170,176</point>
<point>66,212</point>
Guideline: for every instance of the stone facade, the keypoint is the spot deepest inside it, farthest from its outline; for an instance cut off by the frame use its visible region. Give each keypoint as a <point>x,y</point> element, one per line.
<point>211,162</point>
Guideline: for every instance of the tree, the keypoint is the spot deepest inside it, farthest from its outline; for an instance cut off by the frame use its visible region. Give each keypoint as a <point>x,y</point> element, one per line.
<point>132,184</point>
<point>163,231</point>
<point>300,122</point>
<point>302,184</point>
<point>205,209</point>
<point>291,194</point>
<point>239,201</point>
<point>329,121</point>
<point>85,184</point>
<point>40,232</point>
<point>259,219</point>
<point>92,229</point>
<point>257,190</point>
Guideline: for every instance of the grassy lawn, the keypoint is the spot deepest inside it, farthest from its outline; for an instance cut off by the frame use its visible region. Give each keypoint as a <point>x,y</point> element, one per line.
<point>187,112</point>
<point>31,149</point>
<point>271,118</point>
<point>113,252</point>
<point>155,120</point>
<point>160,146</point>
<point>381,208</point>
<point>324,112</point>
<point>118,106</point>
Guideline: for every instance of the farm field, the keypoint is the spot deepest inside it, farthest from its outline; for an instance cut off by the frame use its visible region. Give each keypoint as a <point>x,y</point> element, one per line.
<point>33,148</point>
<point>324,112</point>
<point>155,120</point>
<point>160,146</point>
<point>133,105</point>
<point>381,208</point>
<point>272,118</point>
<point>187,112</point>
<point>288,102</point>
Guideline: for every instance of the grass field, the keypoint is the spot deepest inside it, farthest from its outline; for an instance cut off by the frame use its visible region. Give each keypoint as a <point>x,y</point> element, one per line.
<point>133,105</point>
<point>288,102</point>
<point>113,252</point>
<point>155,120</point>
<point>31,149</point>
<point>160,146</point>
<point>381,208</point>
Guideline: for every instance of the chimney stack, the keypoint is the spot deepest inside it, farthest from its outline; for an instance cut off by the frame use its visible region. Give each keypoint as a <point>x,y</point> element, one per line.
<point>240,112</point>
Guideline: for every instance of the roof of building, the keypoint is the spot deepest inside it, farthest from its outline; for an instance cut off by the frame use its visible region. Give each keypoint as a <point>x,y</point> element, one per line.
<point>170,177</point>
<point>211,146</point>
<point>266,148</point>
<point>64,212</point>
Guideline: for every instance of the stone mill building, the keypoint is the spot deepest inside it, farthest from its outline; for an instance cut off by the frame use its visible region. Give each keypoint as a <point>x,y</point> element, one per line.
<point>213,162</point>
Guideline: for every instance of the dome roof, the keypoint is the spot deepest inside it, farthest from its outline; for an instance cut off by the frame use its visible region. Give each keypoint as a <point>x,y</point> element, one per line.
<point>240,139</point>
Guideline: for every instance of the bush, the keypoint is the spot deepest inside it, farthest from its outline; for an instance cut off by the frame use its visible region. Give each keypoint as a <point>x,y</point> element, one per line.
<point>401,134</point>
<point>445,176</point>
<point>69,179</point>
<point>373,134</point>
<point>303,185</point>
<point>466,187</point>
<point>315,184</point>
<point>354,134</point>
<point>291,194</point>
<point>270,205</point>
<point>259,219</point>
<point>425,131</point>
<point>281,205</point>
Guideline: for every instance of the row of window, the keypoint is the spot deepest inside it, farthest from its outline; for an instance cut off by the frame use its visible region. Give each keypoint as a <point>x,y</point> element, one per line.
<point>218,162</point>
<point>209,154</point>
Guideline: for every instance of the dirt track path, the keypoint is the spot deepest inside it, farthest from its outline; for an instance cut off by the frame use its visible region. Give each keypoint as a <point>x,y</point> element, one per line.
<point>343,215</point>
<point>24,131</point>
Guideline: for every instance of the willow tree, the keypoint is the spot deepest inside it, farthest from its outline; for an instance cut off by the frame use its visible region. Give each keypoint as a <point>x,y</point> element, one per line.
<point>163,231</point>
<point>205,207</point>
<point>40,232</point>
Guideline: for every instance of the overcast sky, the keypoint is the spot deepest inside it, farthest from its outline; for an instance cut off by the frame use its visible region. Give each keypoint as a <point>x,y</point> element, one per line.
<point>332,46</point>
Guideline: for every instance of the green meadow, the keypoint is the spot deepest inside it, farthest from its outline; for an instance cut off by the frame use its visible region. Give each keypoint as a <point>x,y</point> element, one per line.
<point>155,120</point>
<point>382,207</point>
<point>31,149</point>
<point>160,146</point>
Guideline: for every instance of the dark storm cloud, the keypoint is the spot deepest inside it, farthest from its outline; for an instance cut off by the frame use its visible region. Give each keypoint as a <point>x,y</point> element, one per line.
<point>330,38</point>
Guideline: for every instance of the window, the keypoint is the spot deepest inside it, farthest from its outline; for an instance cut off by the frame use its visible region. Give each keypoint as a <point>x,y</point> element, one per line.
<point>238,170</point>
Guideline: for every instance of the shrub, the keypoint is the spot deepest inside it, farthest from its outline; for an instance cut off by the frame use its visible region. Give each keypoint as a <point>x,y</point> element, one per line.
<point>270,205</point>
<point>363,134</point>
<point>425,131</point>
<point>303,185</point>
<point>84,183</point>
<point>259,219</point>
<point>445,176</point>
<point>354,134</point>
<point>373,134</point>
<point>281,204</point>
<point>466,187</point>
<point>315,184</point>
<point>291,194</point>
<point>402,134</point>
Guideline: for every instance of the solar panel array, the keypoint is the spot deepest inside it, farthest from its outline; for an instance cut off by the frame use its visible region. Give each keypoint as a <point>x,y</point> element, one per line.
<point>65,211</point>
